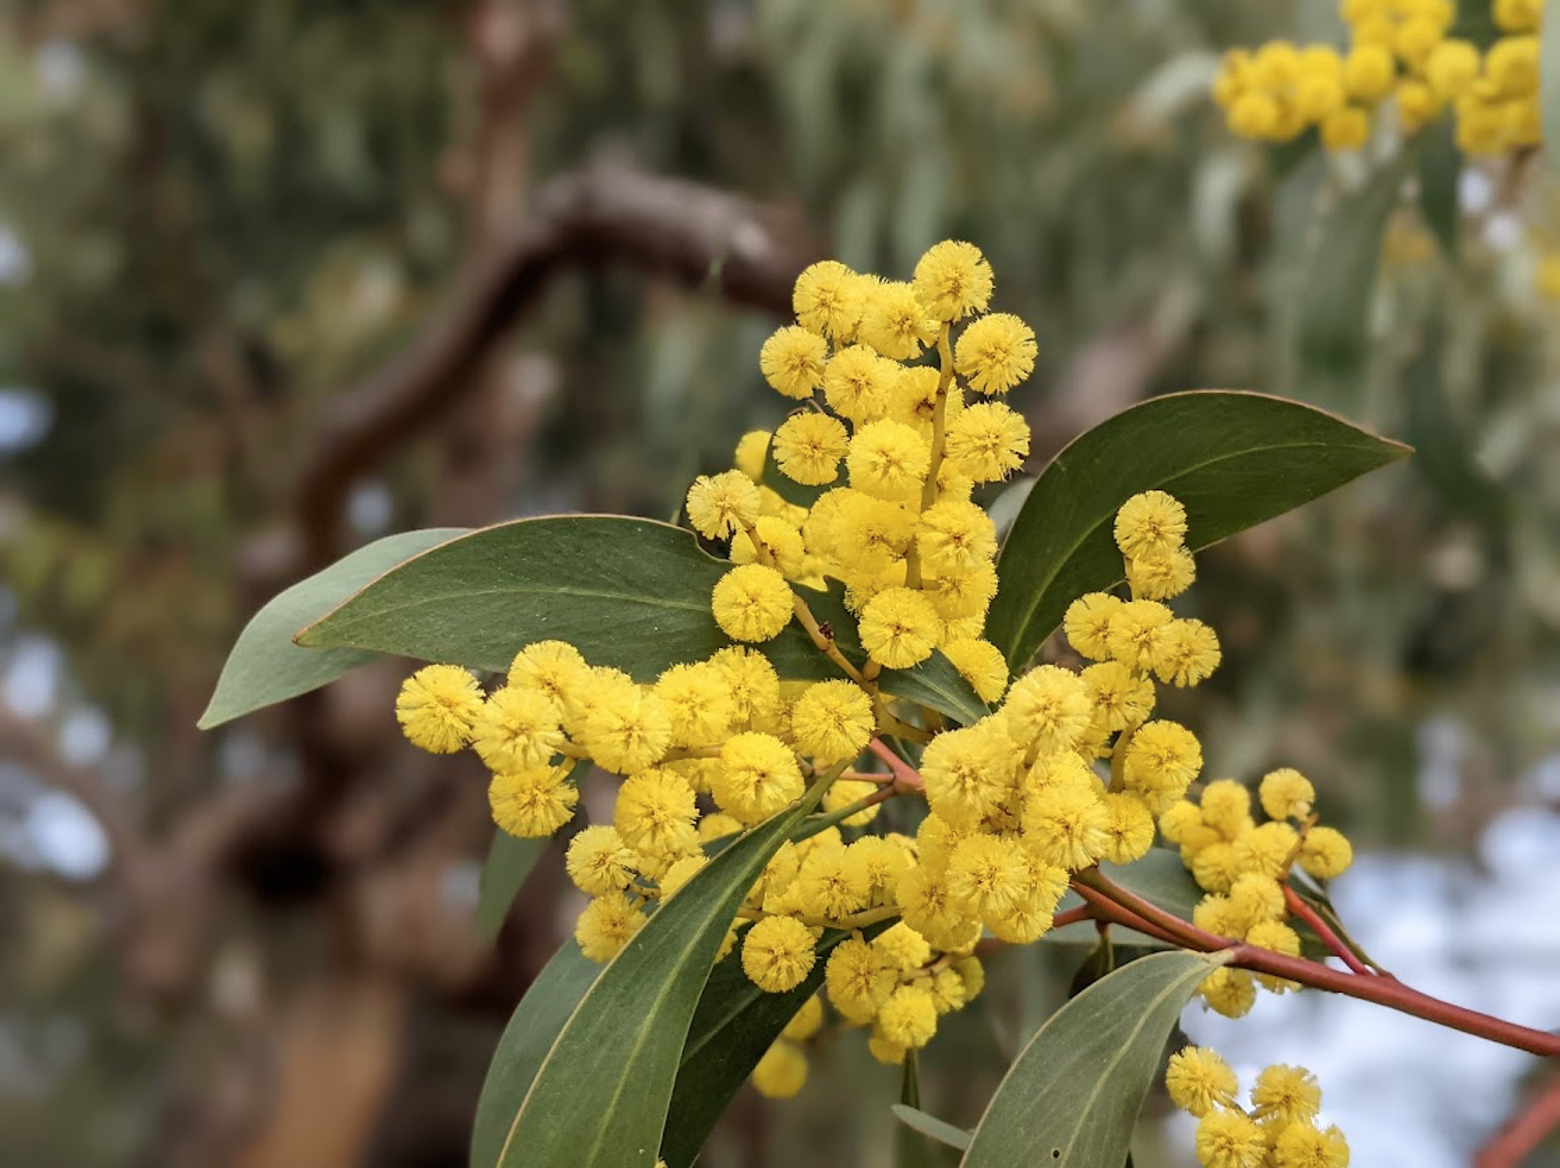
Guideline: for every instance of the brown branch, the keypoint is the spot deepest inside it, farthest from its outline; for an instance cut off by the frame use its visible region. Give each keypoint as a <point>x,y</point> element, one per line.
<point>607,213</point>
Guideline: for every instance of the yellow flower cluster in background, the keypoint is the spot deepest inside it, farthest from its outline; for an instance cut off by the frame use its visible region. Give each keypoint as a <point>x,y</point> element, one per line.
<point>1015,803</point>
<point>1279,1131</point>
<point>1399,56</point>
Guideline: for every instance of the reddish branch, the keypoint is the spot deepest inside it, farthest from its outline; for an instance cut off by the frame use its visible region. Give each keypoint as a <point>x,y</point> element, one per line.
<point>1515,1142</point>
<point>748,252</point>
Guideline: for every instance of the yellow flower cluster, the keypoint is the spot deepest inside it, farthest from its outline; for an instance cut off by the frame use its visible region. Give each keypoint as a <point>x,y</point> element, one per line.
<point>1399,53</point>
<point>1242,866</point>
<point>915,553</point>
<point>1279,1131</point>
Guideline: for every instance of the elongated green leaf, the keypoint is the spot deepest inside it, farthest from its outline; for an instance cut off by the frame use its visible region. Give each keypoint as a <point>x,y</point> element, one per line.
<point>265,667</point>
<point>1234,459</point>
<point>736,1022</point>
<point>509,862</point>
<point>629,593</point>
<point>1074,1092</point>
<point>1440,165</point>
<point>601,1096</point>
<point>932,1127</point>
<point>532,1030</point>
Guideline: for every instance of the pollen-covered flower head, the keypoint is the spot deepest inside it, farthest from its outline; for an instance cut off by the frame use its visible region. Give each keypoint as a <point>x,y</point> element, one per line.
<point>532,802</point>
<point>792,361</point>
<point>697,702</point>
<point>627,727</point>
<point>553,667</point>
<point>720,505</point>
<point>1129,829</point>
<point>899,628</point>
<point>1325,853</point>
<point>1185,652</point>
<point>894,322</point>
<point>981,664</point>
<point>888,460</point>
<point>988,873</point>
<point>1300,1145</point>
<point>1088,622</point>
<point>909,1017</point>
<point>752,603</point>
<point>832,720</point>
<point>438,707</point>
<point>952,280</point>
<point>1136,629</point>
<point>859,979</point>
<point>827,299</point>
<point>1161,575</point>
<point>995,353</point>
<point>752,684</point>
<point>517,728</point>
<point>782,1071</point>
<point>655,813</point>
<point>1120,696</point>
<point>1286,794</point>
<point>758,777</point>
<point>1150,523</point>
<point>988,441</point>
<point>599,862</point>
<point>1230,1139</point>
<point>1067,825</point>
<point>808,448</point>
<point>857,384</point>
<point>1199,1080</point>
<point>1286,1095</point>
<point>955,535</point>
<point>1161,762</point>
<point>1048,709</point>
<point>778,953</point>
<point>607,924</point>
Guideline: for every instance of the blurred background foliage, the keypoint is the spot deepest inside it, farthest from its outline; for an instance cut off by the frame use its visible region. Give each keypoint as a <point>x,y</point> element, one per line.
<point>225,231</point>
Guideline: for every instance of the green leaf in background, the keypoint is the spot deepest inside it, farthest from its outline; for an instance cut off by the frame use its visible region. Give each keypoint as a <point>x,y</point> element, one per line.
<point>1072,1096</point>
<point>600,1097</point>
<point>265,667</point>
<point>1159,878</point>
<point>629,593</point>
<point>1233,458</point>
<point>1099,963</point>
<point>932,1127</point>
<point>509,861</point>
<point>1549,82</point>
<point>736,1022</point>
<point>1338,276</point>
<point>1440,165</point>
<point>532,1029</point>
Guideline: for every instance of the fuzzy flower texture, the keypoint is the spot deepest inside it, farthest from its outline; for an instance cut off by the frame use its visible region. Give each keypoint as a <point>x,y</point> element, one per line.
<point>1402,63</point>
<point>882,904</point>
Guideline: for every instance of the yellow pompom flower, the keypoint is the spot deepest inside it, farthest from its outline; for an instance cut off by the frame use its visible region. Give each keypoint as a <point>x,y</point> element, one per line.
<point>981,664</point>
<point>909,1017</point>
<point>778,544</point>
<point>899,628</point>
<point>719,505</point>
<point>1347,128</point>
<point>957,595</point>
<point>1265,849</point>
<point>438,708</point>
<point>952,280</point>
<point>1280,938</point>
<point>517,728</point>
<point>1319,91</point>
<point>627,728</point>
<point>752,603</point>
<point>808,448</point>
<point>948,992</point>
<point>902,948</point>
<point>1368,72</point>
<point>1302,1146</point>
<point>1230,1139</point>
<point>1252,114</point>
<point>827,299</point>
<point>1231,992</point>
<point>843,793</point>
<point>1199,1080</point>
<point>1066,825</point>
<point>607,924</point>
<point>1129,828</point>
<point>1452,68</point>
<point>599,862</point>
<point>1511,65</point>
<point>1286,1095</point>
<point>989,875</point>
<point>655,813</point>
<point>859,979</point>
<point>889,1053</point>
<point>1518,15</point>
<point>833,882</point>
<point>1180,821</point>
<point>832,720</point>
<point>778,953</point>
<point>1254,898</point>
<point>1185,652</point>
<point>1325,853</point>
<point>555,668</point>
<point>697,702</point>
<point>995,353</point>
<point>988,441</point>
<point>1161,575</point>
<point>792,361</point>
<point>888,460</point>
<point>1088,623</point>
<point>967,773</point>
<point>1150,523</point>
<point>759,777</point>
<point>1162,760</point>
<point>1118,694</point>
<point>1213,866</point>
<point>1136,629</point>
<point>955,535</point>
<point>782,1072</point>
<point>805,1022</point>
<point>752,450</point>
<point>1286,794</point>
<point>858,382</point>
<point>1277,65</point>
<point>1226,807</point>
<point>894,322</point>
<point>533,802</point>
<point>752,683</point>
<point>1048,709</point>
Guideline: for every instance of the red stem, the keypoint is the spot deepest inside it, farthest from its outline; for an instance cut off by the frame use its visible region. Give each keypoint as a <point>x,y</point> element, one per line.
<point>905,775</point>
<point>1512,1145</point>
<point>1111,899</point>
<point>1329,938</point>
